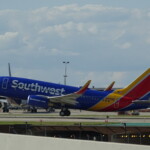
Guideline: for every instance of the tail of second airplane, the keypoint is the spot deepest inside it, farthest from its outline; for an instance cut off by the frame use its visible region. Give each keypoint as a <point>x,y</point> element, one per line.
<point>109,88</point>
<point>138,88</point>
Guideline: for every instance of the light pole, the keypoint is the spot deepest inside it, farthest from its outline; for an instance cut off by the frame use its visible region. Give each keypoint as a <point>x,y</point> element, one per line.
<point>65,76</point>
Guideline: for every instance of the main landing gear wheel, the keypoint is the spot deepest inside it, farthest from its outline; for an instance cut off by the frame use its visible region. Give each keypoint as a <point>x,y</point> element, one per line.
<point>5,108</point>
<point>32,109</point>
<point>50,109</point>
<point>65,112</point>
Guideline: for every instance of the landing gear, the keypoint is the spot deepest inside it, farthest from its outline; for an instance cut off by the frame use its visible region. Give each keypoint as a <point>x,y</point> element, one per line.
<point>32,109</point>
<point>64,112</point>
<point>5,108</point>
<point>50,109</point>
<point>1,105</point>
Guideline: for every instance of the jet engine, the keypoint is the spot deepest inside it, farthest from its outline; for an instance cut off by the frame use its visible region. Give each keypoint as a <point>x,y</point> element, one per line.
<point>37,101</point>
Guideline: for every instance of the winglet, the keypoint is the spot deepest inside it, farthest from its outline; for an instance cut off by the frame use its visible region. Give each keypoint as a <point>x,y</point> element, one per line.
<point>109,88</point>
<point>84,88</point>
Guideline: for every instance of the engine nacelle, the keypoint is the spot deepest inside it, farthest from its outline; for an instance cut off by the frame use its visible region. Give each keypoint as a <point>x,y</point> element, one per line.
<point>37,101</point>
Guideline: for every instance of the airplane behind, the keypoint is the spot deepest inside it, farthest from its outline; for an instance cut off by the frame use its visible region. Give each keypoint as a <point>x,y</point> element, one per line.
<point>45,94</point>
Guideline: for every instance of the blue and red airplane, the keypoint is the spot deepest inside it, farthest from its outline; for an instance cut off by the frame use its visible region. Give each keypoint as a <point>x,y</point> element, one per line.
<point>44,94</point>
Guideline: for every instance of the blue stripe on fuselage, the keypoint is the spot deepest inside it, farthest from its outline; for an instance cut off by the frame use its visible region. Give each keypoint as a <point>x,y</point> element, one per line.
<point>135,106</point>
<point>22,88</point>
<point>145,97</point>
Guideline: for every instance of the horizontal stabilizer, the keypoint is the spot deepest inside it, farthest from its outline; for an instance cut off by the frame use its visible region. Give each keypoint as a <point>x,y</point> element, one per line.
<point>141,102</point>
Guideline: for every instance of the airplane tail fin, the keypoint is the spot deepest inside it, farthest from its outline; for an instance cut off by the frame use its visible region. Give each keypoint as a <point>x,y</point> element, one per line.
<point>138,88</point>
<point>84,88</point>
<point>109,88</point>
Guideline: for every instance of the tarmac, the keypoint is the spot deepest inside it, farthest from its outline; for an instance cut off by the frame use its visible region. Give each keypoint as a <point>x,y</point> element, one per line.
<point>76,116</point>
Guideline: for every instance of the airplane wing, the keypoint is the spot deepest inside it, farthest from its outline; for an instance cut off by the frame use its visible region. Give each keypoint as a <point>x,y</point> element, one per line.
<point>70,99</point>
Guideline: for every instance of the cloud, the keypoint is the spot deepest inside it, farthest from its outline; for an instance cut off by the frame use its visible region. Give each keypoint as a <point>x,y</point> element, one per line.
<point>55,52</point>
<point>8,36</point>
<point>70,29</point>
<point>9,41</point>
<point>137,13</point>
<point>124,45</point>
<point>93,37</point>
<point>101,78</point>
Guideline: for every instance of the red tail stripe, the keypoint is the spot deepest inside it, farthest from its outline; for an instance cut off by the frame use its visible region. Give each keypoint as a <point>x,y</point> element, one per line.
<point>141,89</point>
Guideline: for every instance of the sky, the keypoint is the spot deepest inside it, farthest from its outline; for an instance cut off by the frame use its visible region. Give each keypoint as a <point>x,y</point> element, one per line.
<point>103,40</point>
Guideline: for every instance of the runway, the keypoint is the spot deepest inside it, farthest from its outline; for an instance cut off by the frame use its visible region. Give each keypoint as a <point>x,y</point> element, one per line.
<point>76,116</point>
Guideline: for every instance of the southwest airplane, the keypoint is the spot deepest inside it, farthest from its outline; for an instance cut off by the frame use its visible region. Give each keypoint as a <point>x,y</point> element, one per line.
<point>44,94</point>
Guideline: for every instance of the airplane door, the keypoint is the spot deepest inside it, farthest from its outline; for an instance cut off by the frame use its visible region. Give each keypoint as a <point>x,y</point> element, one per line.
<point>5,83</point>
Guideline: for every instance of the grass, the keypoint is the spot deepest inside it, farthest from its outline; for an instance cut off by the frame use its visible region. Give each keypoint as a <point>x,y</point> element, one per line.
<point>53,123</point>
<point>57,115</point>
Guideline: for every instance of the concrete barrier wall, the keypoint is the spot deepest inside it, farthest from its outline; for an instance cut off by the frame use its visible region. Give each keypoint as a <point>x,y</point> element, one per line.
<point>24,142</point>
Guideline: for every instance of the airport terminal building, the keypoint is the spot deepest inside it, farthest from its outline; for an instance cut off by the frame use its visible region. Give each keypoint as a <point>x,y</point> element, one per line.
<point>138,133</point>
